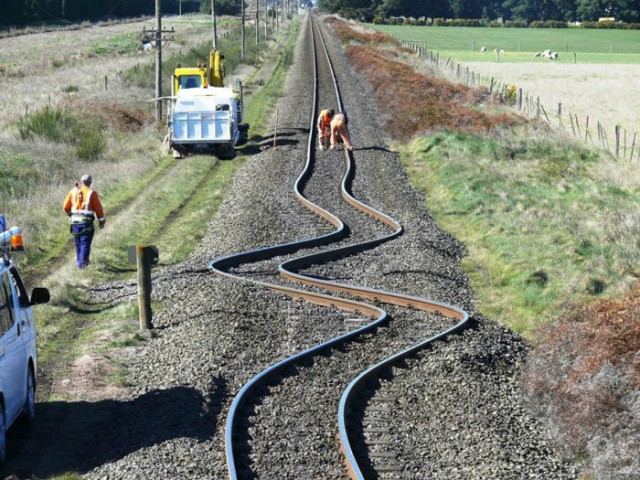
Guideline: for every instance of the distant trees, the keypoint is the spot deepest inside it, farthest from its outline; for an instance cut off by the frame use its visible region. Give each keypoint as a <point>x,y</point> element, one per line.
<point>521,10</point>
<point>20,12</point>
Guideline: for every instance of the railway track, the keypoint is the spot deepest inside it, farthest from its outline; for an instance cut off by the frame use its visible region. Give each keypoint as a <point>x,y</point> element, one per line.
<point>449,411</point>
<point>357,358</point>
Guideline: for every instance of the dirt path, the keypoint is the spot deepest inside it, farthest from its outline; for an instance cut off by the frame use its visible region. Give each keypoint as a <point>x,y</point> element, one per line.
<point>77,395</point>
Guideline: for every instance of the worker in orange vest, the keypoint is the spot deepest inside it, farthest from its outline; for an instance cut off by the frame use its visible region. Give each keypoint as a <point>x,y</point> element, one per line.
<point>324,128</point>
<point>339,132</point>
<point>82,205</point>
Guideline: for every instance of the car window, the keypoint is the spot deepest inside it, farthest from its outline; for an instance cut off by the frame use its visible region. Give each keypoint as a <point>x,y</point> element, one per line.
<point>6,307</point>
<point>18,287</point>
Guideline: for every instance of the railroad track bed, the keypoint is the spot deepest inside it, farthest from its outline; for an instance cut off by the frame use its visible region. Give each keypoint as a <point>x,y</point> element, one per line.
<point>429,416</point>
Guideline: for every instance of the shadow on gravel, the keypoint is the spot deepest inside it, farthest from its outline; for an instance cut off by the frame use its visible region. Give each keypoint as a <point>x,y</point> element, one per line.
<point>80,436</point>
<point>258,143</point>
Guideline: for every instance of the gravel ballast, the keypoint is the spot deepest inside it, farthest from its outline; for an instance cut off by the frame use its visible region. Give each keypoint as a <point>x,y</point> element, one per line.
<point>456,408</point>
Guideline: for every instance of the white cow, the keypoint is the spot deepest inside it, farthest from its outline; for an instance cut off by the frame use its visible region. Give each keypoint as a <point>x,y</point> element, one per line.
<point>501,52</point>
<point>483,49</point>
<point>146,47</point>
<point>553,56</point>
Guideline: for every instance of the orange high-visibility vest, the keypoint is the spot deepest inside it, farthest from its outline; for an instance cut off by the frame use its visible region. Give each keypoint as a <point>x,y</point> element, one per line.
<point>82,203</point>
<point>324,120</point>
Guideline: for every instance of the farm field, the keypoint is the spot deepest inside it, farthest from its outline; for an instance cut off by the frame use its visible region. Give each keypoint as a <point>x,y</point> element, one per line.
<point>602,85</point>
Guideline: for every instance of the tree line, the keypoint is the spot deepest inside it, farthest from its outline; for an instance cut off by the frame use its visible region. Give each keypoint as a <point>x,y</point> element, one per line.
<point>489,10</point>
<point>23,12</point>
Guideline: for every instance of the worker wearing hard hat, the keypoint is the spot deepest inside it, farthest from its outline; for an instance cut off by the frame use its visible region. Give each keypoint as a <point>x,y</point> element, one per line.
<point>324,128</point>
<point>339,131</point>
<point>82,205</point>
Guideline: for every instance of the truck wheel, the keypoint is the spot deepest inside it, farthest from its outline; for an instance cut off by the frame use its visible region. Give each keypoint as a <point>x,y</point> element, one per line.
<point>29,409</point>
<point>3,435</point>
<point>226,151</point>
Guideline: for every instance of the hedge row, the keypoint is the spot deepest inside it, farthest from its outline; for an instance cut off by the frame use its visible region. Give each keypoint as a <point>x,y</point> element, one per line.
<point>479,22</point>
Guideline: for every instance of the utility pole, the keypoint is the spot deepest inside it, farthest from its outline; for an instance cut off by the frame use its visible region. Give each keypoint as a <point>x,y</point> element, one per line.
<point>242,23</point>
<point>158,62</point>
<point>157,35</point>
<point>213,21</point>
<point>257,22</point>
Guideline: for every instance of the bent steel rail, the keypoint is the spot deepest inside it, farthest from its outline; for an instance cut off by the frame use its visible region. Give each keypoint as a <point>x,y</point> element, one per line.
<point>288,269</point>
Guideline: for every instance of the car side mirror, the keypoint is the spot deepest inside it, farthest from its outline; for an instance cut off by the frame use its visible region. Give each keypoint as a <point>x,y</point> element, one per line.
<point>39,295</point>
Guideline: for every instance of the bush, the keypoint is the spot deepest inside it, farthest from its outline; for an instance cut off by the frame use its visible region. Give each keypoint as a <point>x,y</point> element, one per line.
<point>90,143</point>
<point>53,124</point>
<point>61,125</point>
<point>548,24</point>
<point>510,95</point>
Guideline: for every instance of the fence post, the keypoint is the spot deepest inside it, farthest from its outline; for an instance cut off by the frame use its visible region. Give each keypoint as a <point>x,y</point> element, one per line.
<point>143,261</point>
<point>559,114</point>
<point>633,146</point>
<point>578,126</point>
<point>617,140</point>
<point>519,99</point>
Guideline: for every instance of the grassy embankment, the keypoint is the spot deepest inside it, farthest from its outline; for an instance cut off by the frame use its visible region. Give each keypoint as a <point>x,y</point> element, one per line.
<point>547,221</point>
<point>551,230</point>
<point>172,201</point>
<point>519,44</point>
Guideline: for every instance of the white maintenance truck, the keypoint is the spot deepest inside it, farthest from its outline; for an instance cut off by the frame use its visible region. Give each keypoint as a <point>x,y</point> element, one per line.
<point>205,116</point>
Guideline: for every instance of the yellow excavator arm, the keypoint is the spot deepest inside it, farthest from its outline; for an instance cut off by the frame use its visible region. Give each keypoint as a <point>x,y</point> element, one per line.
<point>216,69</point>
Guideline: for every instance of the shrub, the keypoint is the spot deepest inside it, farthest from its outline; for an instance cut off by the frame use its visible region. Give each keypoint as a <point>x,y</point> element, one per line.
<point>61,125</point>
<point>90,143</point>
<point>54,124</point>
<point>510,95</point>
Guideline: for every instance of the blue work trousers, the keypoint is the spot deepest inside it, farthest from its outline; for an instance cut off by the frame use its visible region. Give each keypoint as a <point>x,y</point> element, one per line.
<point>83,235</point>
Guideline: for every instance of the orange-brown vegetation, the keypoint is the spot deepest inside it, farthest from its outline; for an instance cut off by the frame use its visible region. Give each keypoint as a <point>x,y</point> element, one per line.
<point>115,115</point>
<point>418,103</point>
<point>586,371</point>
<point>346,33</point>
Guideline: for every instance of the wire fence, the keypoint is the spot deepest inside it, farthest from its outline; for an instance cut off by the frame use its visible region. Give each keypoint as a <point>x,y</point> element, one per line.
<point>622,145</point>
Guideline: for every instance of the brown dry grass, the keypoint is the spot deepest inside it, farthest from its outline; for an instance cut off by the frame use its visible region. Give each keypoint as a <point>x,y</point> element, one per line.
<point>420,103</point>
<point>584,380</point>
<point>115,115</point>
<point>348,33</point>
<point>608,93</point>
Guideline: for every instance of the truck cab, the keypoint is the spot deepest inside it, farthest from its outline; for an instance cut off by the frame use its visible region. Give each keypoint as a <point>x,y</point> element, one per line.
<point>18,358</point>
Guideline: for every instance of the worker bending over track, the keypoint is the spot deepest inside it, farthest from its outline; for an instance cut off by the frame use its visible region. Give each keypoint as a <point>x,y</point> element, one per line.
<point>82,205</point>
<point>339,132</point>
<point>324,128</point>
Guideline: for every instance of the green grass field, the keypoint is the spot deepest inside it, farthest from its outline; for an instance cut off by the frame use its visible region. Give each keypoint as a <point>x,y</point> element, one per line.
<point>519,44</point>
